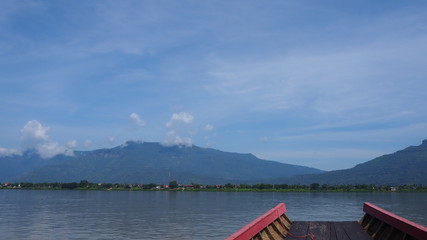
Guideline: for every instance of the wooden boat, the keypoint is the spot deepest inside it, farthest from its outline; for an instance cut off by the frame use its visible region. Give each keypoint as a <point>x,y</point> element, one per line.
<point>377,224</point>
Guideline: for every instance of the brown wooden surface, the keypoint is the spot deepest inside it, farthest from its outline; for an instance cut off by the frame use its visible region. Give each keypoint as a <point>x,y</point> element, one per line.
<point>327,231</point>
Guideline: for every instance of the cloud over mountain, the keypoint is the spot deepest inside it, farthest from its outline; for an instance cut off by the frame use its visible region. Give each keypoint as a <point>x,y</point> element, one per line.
<point>8,152</point>
<point>34,136</point>
<point>178,125</point>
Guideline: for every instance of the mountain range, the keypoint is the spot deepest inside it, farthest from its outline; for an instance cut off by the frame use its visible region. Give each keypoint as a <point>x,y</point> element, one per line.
<point>136,162</point>
<point>407,166</point>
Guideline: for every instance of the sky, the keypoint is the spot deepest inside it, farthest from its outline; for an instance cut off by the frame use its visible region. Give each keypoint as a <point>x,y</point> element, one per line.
<point>325,84</point>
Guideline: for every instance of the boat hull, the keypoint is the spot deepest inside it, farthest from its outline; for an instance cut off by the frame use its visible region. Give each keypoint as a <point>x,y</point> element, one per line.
<point>273,225</point>
<point>381,224</point>
<point>377,224</point>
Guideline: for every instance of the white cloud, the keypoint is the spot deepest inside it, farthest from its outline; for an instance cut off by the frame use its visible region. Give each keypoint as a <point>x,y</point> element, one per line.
<point>181,117</point>
<point>136,119</point>
<point>33,133</point>
<point>34,136</point>
<point>209,127</point>
<point>111,139</point>
<point>178,124</point>
<point>174,139</point>
<point>50,149</point>
<point>72,144</point>
<point>8,152</point>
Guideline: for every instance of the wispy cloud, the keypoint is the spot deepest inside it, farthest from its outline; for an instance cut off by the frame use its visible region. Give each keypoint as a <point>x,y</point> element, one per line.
<point>174,138</point>
<point>335,82</point>
<point>179,133</point>
<point>209,127</point>
<point>9,152</point>
<point>137,119</point>
<point>72,144</point>
<point>178,118</point>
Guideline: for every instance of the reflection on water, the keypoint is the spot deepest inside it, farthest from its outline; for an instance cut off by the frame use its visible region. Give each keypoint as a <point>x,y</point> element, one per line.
<point>177,215</point>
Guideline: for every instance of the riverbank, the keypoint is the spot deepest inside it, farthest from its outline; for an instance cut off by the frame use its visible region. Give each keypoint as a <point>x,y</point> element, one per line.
<point>174,186</point>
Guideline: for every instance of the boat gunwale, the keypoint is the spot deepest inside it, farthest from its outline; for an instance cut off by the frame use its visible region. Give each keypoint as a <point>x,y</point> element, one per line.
<point>404,225</point>
<point>254,227</point>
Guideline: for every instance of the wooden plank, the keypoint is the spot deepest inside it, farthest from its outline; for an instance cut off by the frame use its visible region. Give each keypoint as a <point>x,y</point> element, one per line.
<point>320,230</point>
<point>264,235</point>
<point>333,230</point>
<point>340,231</point>
<point>385,232</point>
<point>254,227</point>
<point>327,231</point>
<point>273,232</point>
<point>298,229</point>
<point>366,221</point>
<point>350,230</point>
<point>404,225</point>
<point>285,221</point>
<point>279,228</point>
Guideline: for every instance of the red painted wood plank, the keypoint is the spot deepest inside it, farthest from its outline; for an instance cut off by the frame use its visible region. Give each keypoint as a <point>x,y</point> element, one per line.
<point>404,225</point>
<point>258,224</point>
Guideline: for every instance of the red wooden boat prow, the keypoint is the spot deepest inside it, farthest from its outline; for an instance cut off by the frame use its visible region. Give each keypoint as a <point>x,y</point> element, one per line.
<point>377,224</point>
<point>381,224</point>
<point>257,227</point>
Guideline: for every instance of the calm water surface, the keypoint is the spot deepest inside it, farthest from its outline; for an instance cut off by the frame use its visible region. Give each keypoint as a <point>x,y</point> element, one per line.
<point>26,214</point>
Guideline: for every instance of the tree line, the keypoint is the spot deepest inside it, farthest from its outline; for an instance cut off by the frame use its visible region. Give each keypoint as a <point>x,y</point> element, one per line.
<point>174,185</point>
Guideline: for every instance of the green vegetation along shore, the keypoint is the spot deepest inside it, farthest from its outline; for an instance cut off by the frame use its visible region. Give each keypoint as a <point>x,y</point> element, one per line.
<point>175,186</point>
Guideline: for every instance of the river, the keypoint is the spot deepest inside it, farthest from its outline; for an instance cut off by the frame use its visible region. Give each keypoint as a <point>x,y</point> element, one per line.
<point>43,214</point>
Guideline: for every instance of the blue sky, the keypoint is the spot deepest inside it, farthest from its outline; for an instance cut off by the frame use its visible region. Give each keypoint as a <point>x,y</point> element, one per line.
<point>327,84</point>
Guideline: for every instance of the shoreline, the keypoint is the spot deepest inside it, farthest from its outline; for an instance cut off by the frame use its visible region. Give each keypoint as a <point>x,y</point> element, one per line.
<point>315,187</point>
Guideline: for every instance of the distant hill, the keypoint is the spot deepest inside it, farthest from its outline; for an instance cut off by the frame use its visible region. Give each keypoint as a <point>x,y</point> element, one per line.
<point>136,162</point>
<point>17,165</point>
<point>408,166</point>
